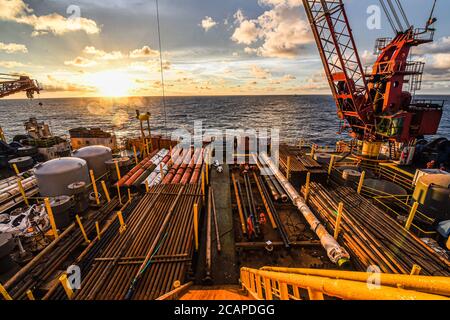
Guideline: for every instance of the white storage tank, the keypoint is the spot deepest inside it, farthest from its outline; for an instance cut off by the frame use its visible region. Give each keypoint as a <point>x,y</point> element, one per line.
<point>96,158</point>
<point>54,176</point>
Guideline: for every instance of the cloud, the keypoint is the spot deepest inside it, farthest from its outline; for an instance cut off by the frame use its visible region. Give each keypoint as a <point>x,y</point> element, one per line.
<point>280,32</point>
<point>441,61</point>
<point>150,65</point>
<point>441,45</point>
<point>259,72</point>
<point>144,52</point>
<point>20,12</point>
<point>13,47</point>
<point>11,64</point>
<point>276,3</point>
<point>81,62</point>
<point>288,77</point>
<point>103,55</point>
<point>208,23</point>
<point>52,84</point>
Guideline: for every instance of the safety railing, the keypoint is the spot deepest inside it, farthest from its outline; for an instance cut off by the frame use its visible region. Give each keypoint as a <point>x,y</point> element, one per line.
<point>314,284</point>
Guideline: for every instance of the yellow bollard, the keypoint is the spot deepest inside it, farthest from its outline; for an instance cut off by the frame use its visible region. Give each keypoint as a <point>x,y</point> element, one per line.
<point>337,228</point>
<point>97,228</point>
<point>123,226</point>
<point>412,214</point>
<point>77,217</point>
<point>5,293</point>
<point>118,171</point>
<point>196,225</point>
<point>105,190</point>
<point>147,187</point>
<point>94,186</point>
<point>16,170</point>
<point>30,295</point>
<point>361,182</point>
<point>416,269</point>
<point>119,195</point>
<point>203,186</point>
<point>135,155</point>
<point>51,217</point>
<point>129,195</point>
<point>288,169</point>
<point>22,191</point>
<point>65,283</point>
<point>330,167</point>
<point>307,186</point>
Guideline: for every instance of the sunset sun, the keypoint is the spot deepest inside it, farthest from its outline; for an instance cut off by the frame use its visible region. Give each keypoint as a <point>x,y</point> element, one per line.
<point>112,83</point>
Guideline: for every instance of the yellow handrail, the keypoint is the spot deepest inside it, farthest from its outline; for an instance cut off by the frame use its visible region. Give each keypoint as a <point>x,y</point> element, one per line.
<point>286,284</point>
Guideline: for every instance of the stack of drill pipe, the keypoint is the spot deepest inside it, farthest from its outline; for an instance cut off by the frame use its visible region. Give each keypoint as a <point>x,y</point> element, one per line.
<point>11,195</point>
<point>145,169</point>
<point>156,177</point>
<point>86,258</point>
<point>111,272</point>
<point>195,178</point>
<point>43,267</point>
<point>372,236</point>
<point>156,160</point>
<point>197,158</point>
<point>135,169</point>
<point>275,188</point>
<point>183,158</point>
<point>185,166</point>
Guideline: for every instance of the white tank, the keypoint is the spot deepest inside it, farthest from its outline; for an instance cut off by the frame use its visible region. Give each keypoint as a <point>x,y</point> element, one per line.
<point>95,156</point>
<point>54,176</point>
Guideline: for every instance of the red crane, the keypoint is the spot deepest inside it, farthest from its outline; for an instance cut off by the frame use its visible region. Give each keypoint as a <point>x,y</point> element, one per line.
<point>11,84</point>
<point>375,106</point>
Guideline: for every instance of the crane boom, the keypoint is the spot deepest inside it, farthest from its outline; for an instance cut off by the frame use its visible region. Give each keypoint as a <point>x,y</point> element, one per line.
<point>11,84</point>
<point>341,61</point>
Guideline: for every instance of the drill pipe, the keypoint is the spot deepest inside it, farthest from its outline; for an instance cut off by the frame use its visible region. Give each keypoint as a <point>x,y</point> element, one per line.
<point>335,252</point>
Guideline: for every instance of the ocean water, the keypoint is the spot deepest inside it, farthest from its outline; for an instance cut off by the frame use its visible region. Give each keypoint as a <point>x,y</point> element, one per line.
<point>309,117</point>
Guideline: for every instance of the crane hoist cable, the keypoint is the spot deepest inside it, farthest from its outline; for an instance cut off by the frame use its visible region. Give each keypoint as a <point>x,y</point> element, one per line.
<point>161,68</point>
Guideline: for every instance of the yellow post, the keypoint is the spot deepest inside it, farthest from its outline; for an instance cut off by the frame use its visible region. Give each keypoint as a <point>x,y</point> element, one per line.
<point>65,283</point>
<point>301,144</point>
<point>129,195</point>
<point>411,215</point>
<point>203,186</point>
<point>94,186</point>
<point>2,135</point>
<point>77,217</point>
<point>118,171</point>
<point>16,170</point>
<point>259,287</point>
<point>288,168</point>
<point>22,191</point>
<point>313,150</point>
<point>97,228</point>
<point>207,173</point>
<point>5,293</point>
<point>123,226</point>
<point>196,225</point>
<point>119,195</point>
<point>337,228</point>
<point>51,217</point>
<point>448,243</point>
<point>30,295</point>
<point>105,190</point>
<point>147,187</point>
<point>361,182</point>
<point>416,269</point>
<point>135,155</point>
<point>308,182</point>
<point>330,167</point>
<point>147,147</point>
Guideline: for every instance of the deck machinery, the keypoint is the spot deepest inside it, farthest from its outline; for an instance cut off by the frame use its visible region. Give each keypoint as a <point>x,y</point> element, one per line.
<point>377,107</point>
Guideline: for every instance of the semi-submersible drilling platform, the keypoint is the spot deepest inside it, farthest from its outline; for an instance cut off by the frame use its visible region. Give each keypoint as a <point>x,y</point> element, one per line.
<point>307,222</point>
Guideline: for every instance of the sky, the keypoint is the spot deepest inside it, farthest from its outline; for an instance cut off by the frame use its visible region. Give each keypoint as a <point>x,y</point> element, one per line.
<point>209,47</point>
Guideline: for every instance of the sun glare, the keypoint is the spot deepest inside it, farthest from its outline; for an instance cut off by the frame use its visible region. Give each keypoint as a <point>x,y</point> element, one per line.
<point>112,83</point>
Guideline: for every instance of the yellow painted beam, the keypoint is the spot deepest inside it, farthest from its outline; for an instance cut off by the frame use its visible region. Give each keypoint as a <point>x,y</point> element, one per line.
<point>65,283</point>
<point>411,216</point>
<point>51,217</point>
